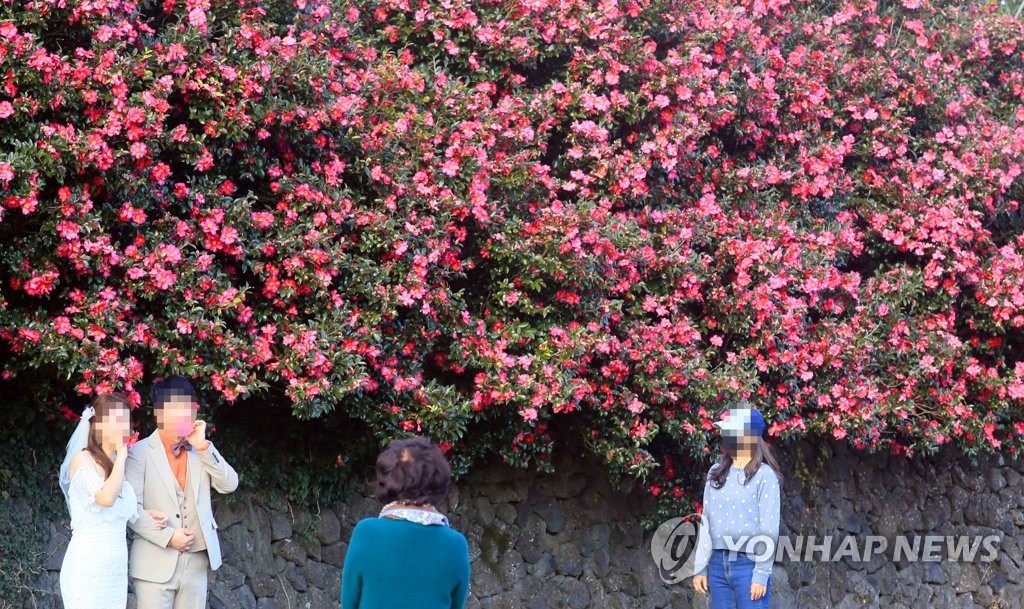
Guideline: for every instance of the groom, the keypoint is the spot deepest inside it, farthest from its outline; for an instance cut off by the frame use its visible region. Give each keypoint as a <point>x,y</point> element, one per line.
<point>172,471</point>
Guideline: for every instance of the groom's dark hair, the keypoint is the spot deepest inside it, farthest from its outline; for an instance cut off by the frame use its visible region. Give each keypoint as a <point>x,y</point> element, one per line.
<point>170,387</point>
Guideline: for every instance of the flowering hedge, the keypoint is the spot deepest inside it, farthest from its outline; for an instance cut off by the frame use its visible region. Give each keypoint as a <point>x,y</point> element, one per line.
<point>490,220</point>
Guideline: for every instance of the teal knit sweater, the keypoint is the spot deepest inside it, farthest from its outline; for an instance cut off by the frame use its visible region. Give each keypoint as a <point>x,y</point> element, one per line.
<point>397,564</point>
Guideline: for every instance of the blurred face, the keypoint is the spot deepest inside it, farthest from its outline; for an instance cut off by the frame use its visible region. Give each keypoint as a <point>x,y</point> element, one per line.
<point>735,441</point>
<point>115,427</point>
<point>177,415</point>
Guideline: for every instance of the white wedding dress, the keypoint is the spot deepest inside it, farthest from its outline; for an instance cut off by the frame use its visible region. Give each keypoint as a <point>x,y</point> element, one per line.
<point>94,574</point>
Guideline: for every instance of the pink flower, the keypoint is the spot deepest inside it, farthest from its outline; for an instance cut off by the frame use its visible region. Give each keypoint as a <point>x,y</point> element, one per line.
<point>162,278</point>
<point>160,173</point>
<point>197,18</point>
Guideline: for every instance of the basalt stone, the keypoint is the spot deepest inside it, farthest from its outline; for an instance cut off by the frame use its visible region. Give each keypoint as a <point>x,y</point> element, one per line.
<point>296,578</point>
<point>934,573</point>
<point>958,500</point>
<point>1013,477</point>
<point>484,581</point>
<point>572,593</point>
<point>230,511</point>
<point>323,576</point>
<point>935,512</point>
<point>943,596</point>
<point>263,585</point>
<point>46,594</point>
<point>569,560</point>
<point>286,597</point>
<point>245,598</point>
<point>221,597</point>
<point>334,555</point>
<point>912,520</point>
<point>550,511</point>
<point>267,603</point>
<point>310,545</point>
<point>505,513</point>
<point>984,596</point>
<point>280,526</point>
<point>983,510</point>
<point>851,601</point>
<point>865,590</point>
<point>318,599</point>
<point>601,561</point>
<point>364,507</point>
<point>249,549</point>
<point>996,480</point>
<point>970,578</point>
<point>501,601</point>
<point>56,547</point>
<point>504,492</point>
<point>230,575</point>
<point>536,593</point>
<point>530,539</point>
<point>591,498</point>
<point>543,567</point>
<point>302,520</point>
<point>782,596</point>
<point>595,537</point>
<point>922,601</point>
<point>483,511</point>
<point>571,486</point>
<point>290,550</point>
<point>511,569</point>
<point>454,500</point>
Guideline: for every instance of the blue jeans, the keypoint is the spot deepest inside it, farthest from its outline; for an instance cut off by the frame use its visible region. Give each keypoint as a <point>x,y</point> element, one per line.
<point>729,575</point>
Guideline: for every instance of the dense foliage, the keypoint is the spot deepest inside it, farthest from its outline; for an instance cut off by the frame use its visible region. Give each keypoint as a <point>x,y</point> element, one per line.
<point>484,221</point>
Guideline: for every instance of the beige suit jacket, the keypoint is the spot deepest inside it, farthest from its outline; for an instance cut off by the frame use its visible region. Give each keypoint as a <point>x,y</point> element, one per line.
<point>150,474</point>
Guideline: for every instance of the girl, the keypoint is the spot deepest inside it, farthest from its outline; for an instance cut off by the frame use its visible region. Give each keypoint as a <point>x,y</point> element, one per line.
<point>94,574</point>
<point>741,511</point>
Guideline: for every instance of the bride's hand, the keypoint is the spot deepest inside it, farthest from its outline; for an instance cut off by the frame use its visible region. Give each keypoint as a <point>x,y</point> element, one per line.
<point>158,517</point>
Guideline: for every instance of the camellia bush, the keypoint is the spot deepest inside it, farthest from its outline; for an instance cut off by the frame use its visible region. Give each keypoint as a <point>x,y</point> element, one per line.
<point>506,223</point>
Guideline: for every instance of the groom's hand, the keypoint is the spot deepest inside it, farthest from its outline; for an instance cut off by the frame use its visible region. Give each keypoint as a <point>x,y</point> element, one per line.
<point>198,436</point>
<point>182,540</point>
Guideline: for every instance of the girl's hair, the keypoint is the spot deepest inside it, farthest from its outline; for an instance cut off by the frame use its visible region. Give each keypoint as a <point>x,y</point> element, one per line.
<point>762,453</point>
<point>104,404</point>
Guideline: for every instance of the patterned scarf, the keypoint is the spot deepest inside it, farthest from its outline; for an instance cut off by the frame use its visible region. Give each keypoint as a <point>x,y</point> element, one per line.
<point>418,514</point>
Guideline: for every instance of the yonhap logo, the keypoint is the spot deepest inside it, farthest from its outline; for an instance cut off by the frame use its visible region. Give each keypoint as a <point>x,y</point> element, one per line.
<point>674,546</point>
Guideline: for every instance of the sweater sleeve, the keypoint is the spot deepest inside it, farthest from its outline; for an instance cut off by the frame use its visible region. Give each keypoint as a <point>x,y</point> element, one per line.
<point>768,507</point>
<point>351,572</point>
<point>461,591</point>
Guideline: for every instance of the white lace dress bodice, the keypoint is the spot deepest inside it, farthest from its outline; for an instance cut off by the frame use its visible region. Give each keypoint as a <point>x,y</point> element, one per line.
<point>94,574</point>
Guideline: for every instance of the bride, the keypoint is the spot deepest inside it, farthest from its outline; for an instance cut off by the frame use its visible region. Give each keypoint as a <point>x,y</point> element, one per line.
<point>94,574</point>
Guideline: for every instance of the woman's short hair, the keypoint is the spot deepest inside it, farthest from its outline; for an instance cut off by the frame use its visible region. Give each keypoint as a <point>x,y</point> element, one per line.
<point>412,470</point>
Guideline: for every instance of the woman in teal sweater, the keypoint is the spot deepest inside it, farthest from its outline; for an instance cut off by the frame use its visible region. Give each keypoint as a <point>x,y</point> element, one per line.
<point>409,557</point>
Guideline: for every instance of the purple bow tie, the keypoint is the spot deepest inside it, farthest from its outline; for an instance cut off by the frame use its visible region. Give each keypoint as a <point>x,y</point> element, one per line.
<point>180,444</point>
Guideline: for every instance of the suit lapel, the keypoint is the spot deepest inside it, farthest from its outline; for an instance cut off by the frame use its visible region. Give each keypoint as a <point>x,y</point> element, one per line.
<point>158,455</point>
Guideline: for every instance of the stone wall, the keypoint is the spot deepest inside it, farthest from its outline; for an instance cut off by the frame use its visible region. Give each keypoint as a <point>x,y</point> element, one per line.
<point>570,540</point>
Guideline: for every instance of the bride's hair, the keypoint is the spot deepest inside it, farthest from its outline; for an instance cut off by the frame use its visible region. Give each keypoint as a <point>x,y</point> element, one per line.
<point>103,403</point>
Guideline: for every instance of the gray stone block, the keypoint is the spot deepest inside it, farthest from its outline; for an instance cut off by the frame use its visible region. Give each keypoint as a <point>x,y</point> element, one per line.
<point>327,528</point>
